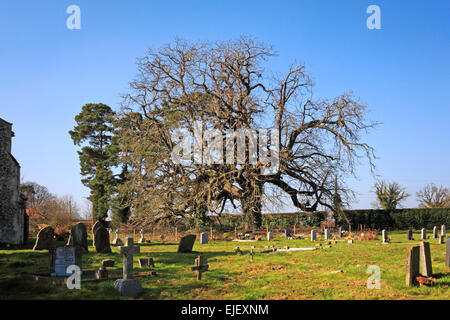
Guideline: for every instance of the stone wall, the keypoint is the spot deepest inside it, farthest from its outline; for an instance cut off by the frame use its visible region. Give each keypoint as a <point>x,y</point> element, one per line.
<point>12,206</point>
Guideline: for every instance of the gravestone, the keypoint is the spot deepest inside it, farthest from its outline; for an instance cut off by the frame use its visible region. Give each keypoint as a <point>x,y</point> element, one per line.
<point>128,287</point>
<point>441,239</point>
<point>412,265</point>
<point>142,239</point>
<point>101,239</point>
<point>128,251</point>
<point>108,263</point>
<point>78,237</point>
<point>425,259</point>
<point>251,254</point>
<point>44,239</point>
<point>443,231</point>
<point>423,234</point>
<point>313,235</point>
<point>63,257</point>
<point>447,255</point>
<point>410,235</point>
<point>204,238</point>
<point>384,236</point>
<point>117,239</point>
<point>146,262</point>
<point>435,234</point>
<point>340,232</point>
<point>186,243</point>
<point>201,265</point>
<point>269,236</point>
<point>287,233</point>
<point>327,234</point>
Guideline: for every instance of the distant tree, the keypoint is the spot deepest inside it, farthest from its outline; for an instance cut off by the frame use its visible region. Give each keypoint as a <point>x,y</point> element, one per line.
<point>94,129</point>
<point>35,193</point>
<point>389,195</point>
<point>433,196</point>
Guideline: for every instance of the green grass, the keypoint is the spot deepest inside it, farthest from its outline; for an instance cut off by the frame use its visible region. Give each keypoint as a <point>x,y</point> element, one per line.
<point>296,275</point>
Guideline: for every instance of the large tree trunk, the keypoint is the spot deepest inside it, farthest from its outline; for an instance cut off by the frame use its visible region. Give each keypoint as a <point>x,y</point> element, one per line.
<point>251,202</point>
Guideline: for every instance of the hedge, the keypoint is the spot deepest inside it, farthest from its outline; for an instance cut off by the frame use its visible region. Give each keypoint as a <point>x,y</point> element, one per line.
<point>400,219</point>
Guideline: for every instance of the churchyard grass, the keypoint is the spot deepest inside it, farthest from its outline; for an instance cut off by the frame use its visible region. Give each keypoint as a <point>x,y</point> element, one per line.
<point>291,275</point>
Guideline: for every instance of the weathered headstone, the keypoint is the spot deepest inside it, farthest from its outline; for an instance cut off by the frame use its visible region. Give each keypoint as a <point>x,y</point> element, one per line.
<point>108,263</point>
<point>63,257</point>
<point>425,259</point>
<point>201,265</point>
<point>128,251</point>
<point>78,237</point>
<point>340,232</point>
<point>44,238</point>
<point>435,233</point>
<point>313,235</point>
<point>447,255</point>
<point>186,243</point>
<point>412,265</point>
<point>441,239</point>
<point>128,287</point>
<point>204,238</point>
<point>101,240</point>
<point>423,234</point>
<point>269,236</point>
<point>443,231</point>
<point>117,239</point>
<point>287,233</point>
<point>146,262</point>
<point>327,234</point>
<point>410,234</point>
<point>142,239</point>
<point>384,236</point>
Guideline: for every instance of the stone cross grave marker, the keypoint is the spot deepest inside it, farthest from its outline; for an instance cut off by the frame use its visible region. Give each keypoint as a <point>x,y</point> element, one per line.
<point>412,265</point>
<point>425,259</point>
<point>447,255</point>
<point>384,236</point>
<point>204,238</point>
<point>327,234</point>
<point>435,234</point>
<point>410,234</point>
<point>423,234</point>
<point>201,265</point>
<point>443,231</point>
<point>128,251</point>
<point>313,235</point>
<point>63,257</point>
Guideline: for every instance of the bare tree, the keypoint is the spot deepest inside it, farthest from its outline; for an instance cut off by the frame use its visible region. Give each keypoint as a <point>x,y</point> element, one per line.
<point>225,86</point>
<point>389,195</point>
<point>433,196</point>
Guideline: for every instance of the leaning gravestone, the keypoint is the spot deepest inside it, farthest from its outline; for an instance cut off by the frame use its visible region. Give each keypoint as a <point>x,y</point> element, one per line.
<point>78,237</point>
<point>435,235</point>
<point>186,243</point>
<point>44,239</point>
<point>412,265</point>
<point>204,238</point>
<point>63,257</point>
<point>101,240</point>
<point>447,255</point>
<point>425,259</point>
<point>95,227</point>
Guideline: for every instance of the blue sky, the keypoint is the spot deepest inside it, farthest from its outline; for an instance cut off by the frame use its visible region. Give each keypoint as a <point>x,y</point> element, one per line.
<point>47,72</point>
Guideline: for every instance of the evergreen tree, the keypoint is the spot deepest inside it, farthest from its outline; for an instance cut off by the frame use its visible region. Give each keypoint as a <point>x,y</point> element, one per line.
<point>94,129</point>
